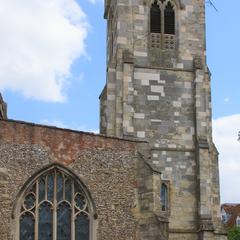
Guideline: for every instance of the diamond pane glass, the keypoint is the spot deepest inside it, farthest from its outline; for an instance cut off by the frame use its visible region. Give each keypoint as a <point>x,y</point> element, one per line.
<point>82,227</point>
<point>50,187</point>
<point>59,215</point>
<point>59,187</point>
<point>64,221</point>
<point>45,224</point>
<point>80,201</point>
<point>41,189</point>
<point>27,227</point>
<point>68,190</point>
<point>29,201</point>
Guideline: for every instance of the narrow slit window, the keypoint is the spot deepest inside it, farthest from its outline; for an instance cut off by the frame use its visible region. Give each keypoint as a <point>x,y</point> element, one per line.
<point>155,19</point>
<point>169,19</point>
<point>164,197</point>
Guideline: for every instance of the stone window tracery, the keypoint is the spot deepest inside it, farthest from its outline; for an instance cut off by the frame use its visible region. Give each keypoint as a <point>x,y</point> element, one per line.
<point>54,207</point>
<point>162,25</point>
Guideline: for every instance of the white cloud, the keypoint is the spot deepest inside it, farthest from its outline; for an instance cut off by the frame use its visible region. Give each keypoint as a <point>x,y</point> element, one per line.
<point>95,1</point>
<point>39,42</point>
<point>226,99</point>
<point>225,133</point>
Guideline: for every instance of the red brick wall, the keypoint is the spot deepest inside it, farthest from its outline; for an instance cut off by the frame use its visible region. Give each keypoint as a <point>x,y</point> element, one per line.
<point>62,143</point>
<point>107,166</point>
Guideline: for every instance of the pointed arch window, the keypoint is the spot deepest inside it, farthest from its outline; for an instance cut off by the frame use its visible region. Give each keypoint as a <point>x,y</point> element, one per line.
<point>155,18</point>
<point>54,207</point>
<point>169,19</point>
<point>162,24</point>
<point>164,197</point>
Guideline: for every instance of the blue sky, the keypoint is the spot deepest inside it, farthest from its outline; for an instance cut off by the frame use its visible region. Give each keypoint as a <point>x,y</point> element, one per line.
<point>223,57</point>
<point>81,107</point>
<point>52,69</point>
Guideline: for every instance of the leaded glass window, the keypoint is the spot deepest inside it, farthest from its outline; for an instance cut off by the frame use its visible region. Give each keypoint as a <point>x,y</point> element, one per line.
<point>164,197</point>
<point>54,207</point>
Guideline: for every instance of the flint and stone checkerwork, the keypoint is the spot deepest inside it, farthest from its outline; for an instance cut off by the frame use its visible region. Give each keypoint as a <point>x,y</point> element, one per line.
<point>163,96</point>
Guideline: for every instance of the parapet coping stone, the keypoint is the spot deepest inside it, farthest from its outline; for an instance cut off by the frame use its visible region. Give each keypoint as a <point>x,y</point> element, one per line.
<point>128,139</point>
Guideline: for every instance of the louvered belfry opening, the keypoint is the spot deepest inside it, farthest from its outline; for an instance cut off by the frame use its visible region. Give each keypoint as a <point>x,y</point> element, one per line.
<point>155,19</point>
<point>169,19</point>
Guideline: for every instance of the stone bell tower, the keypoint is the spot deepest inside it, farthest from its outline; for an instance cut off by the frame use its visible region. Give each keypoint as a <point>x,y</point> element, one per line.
<point>158,90</point>
<point>3,108</point>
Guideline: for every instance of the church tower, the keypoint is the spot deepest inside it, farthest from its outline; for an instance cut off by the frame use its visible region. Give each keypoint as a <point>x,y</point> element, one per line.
<point>3,108</point>
<point>158,90</point>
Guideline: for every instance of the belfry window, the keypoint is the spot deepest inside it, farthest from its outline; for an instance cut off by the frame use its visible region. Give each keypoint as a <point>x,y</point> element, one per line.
<point>164,197</point>
<point>155,18</point>
<point>54,207</point>
<point>169,19</point>
<point>162,25</point>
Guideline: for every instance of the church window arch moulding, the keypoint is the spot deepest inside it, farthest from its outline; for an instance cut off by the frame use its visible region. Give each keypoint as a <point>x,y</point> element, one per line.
<point>54,205</point>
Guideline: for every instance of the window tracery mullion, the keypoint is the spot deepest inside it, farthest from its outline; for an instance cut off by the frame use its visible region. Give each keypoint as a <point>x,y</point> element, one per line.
<point>42,198</point>
<point>64,181</point>
<point>46,187</point>
<point>36,210</point>
<point>73,212</point>
<point>55,207</point>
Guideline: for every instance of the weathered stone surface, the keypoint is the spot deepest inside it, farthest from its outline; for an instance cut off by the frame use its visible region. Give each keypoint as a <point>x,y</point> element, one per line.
<point>157,95</point>
<point>164,97</point>
<point>3,108</point>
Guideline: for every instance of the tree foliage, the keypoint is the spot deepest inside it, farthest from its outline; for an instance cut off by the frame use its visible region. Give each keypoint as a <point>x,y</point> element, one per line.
<point>234,233</point>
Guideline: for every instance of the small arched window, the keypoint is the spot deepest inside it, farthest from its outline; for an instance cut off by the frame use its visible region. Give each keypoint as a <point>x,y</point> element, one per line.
<point>164,197</point>
<point>54,207</point>
<point>155,18</point>
<point>169,19</point>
